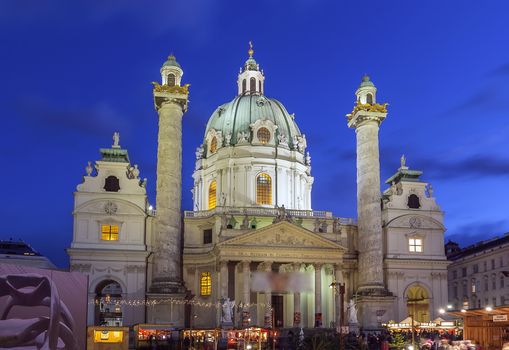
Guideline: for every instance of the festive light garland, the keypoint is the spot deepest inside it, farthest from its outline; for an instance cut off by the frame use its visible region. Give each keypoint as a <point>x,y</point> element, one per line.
<point>144,302</point>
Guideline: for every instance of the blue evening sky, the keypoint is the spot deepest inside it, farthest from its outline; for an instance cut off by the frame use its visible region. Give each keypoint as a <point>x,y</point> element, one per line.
<point>72,72</point>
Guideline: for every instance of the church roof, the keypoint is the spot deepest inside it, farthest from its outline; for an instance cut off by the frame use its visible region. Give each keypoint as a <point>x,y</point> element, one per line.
<point>237,116</point>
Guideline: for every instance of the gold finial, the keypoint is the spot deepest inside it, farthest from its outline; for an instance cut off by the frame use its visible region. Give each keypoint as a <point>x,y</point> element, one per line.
<point>250,51</point>
<point>171,57</point>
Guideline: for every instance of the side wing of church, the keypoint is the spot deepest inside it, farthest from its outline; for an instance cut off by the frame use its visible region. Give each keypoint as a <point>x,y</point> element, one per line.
<point>254,252</point>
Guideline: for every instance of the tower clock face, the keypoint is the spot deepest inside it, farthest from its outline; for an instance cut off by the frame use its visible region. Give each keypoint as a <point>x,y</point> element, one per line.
<point>110,208</point>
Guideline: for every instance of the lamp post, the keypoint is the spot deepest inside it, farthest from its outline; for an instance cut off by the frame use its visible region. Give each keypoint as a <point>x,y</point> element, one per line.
<point>339,288</point>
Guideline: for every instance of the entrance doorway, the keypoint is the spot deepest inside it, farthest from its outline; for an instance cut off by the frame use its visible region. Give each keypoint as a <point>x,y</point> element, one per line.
<point>417,298</point>
<point>108,309</point>
<point>277,307</point>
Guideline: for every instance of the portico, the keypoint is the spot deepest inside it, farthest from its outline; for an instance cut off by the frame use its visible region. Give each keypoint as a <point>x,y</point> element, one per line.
<point>259,270</point>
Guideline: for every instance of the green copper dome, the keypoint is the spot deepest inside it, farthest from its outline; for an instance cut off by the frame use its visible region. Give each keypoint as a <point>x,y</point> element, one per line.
<point>366,81</point>
<point>237,116</point>
<point>171,61</point>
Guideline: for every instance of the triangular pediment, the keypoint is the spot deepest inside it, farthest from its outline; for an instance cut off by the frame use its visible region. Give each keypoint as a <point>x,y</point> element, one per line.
<point>282,234</point>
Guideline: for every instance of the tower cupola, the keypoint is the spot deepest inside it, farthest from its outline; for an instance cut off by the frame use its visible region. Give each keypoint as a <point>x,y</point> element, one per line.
<point>251,78</point>
<point>366,93</point>
<point>171,72</point>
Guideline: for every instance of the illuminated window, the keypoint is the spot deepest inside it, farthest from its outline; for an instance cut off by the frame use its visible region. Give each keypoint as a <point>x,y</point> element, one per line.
<point>205,284</point>
<point>109,232</point>
<point>263,135</point>
<point>263,189</point>
<point>415,245</point>
<point>213,145</point>
<point>212,194</point>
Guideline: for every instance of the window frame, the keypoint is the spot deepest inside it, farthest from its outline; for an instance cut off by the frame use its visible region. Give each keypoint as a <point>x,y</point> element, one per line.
<point>110,233</point>
<point>209,198</point>
<point>262,198</point>
<point>205,284</point>
<point>412,244</point>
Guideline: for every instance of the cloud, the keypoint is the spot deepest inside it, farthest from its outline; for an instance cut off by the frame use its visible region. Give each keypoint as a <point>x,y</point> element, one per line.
<point>475,231</point>
<point>473,166</point>
<point>500,71</point>
<point>97,120</point>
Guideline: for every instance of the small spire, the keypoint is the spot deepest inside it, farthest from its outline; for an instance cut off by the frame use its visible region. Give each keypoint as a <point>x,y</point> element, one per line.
<point>250,51</point>
<point>365,77</point>
<point>171,57</point>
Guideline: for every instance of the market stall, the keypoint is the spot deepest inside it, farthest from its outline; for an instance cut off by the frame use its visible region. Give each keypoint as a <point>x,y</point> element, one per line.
<point>201,339</point>
<point>165,336</point>
<point>489,326</point>
<point>248,338</point>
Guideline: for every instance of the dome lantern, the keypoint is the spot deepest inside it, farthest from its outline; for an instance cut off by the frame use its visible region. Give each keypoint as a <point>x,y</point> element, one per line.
<point>250,80</point>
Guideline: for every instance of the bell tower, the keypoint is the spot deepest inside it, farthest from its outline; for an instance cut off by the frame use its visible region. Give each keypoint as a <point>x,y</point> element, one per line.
<point>170,101</point>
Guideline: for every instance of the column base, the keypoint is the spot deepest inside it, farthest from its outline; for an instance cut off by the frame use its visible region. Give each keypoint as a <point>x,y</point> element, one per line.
<point>163,286</point>
<point>373,290</point>
<point>373,310</point>
<point>166,309</point>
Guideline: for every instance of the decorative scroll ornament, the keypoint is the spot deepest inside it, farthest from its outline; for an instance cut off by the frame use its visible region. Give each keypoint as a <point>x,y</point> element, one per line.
<point>174,89</point>
<point>376,107</point>
<point>110,208</point>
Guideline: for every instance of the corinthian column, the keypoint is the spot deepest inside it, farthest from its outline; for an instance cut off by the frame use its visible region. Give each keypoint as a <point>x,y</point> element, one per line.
<point>366,117</point>
<point>171,103</point>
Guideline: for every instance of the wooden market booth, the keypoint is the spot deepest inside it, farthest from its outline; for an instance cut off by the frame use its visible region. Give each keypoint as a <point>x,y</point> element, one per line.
<point>489,328</point>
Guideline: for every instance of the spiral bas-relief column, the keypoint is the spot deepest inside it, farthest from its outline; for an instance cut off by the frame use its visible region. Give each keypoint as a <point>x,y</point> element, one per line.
<point>368,207</point>
<point>166,271</point>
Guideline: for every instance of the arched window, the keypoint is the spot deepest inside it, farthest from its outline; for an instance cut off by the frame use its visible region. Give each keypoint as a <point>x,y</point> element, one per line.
<point>263,135</point>
<point>212,194</point>
<point>213,145</point>
<point>369,99</point>
<point>413,202</point>
<point>263,189</point>
<point>108,298</point>
<point>252,85</point>
<point>205,284</point>
<point>171,80</point>
<point>260,86</point>
<point>244,86</point>
<point>111,184</point>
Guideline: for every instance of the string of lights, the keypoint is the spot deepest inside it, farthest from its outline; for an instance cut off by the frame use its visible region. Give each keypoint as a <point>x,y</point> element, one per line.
<point>143,302</point>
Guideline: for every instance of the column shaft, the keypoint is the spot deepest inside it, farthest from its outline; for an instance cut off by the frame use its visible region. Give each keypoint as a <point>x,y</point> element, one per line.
<point>167,272</point>
<point>368,207</point>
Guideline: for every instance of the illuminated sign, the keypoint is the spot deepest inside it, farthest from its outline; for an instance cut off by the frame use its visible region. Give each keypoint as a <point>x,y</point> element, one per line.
<point>500,318</point>
<point>108,336</point>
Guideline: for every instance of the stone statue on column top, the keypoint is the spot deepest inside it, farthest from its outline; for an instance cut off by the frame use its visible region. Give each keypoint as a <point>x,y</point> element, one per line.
<point>116,140</point>
<point>89,169</point>
<point>227,310</point>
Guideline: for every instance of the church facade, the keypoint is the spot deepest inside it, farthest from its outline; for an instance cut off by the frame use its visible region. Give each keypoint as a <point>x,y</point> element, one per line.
<point>253,251</point>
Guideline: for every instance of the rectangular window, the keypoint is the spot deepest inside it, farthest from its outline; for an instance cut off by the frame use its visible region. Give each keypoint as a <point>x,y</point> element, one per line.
<point>493,284</point>
<point>455,291</point>
<point>464,272</point>
<point>473,287</point>
<point>494,302</point>
<point>502,282</point>
<point>476,268</point>
<point>501,261</point>
<point>207,236</point>
<point>464,289</point>
<point>415,245</point>
<point>454,274</point>
<point>502,300</point>
<point>485,284</point>
<point>109,232</point>
<point>493,264</point>
<point>205,284</point>
<point>485,266</point>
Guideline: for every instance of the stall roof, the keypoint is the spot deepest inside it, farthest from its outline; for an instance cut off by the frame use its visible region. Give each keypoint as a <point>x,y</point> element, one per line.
<point>502,310</point>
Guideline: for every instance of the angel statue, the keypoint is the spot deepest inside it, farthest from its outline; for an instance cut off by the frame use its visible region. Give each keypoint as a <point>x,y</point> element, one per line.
<point>227,307</point>
<point>352,312</point>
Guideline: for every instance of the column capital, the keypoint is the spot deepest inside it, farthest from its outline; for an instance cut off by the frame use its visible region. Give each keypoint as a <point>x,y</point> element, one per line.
<point>245,263</point>
<point>317,266</point>
<point>164,99</point>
